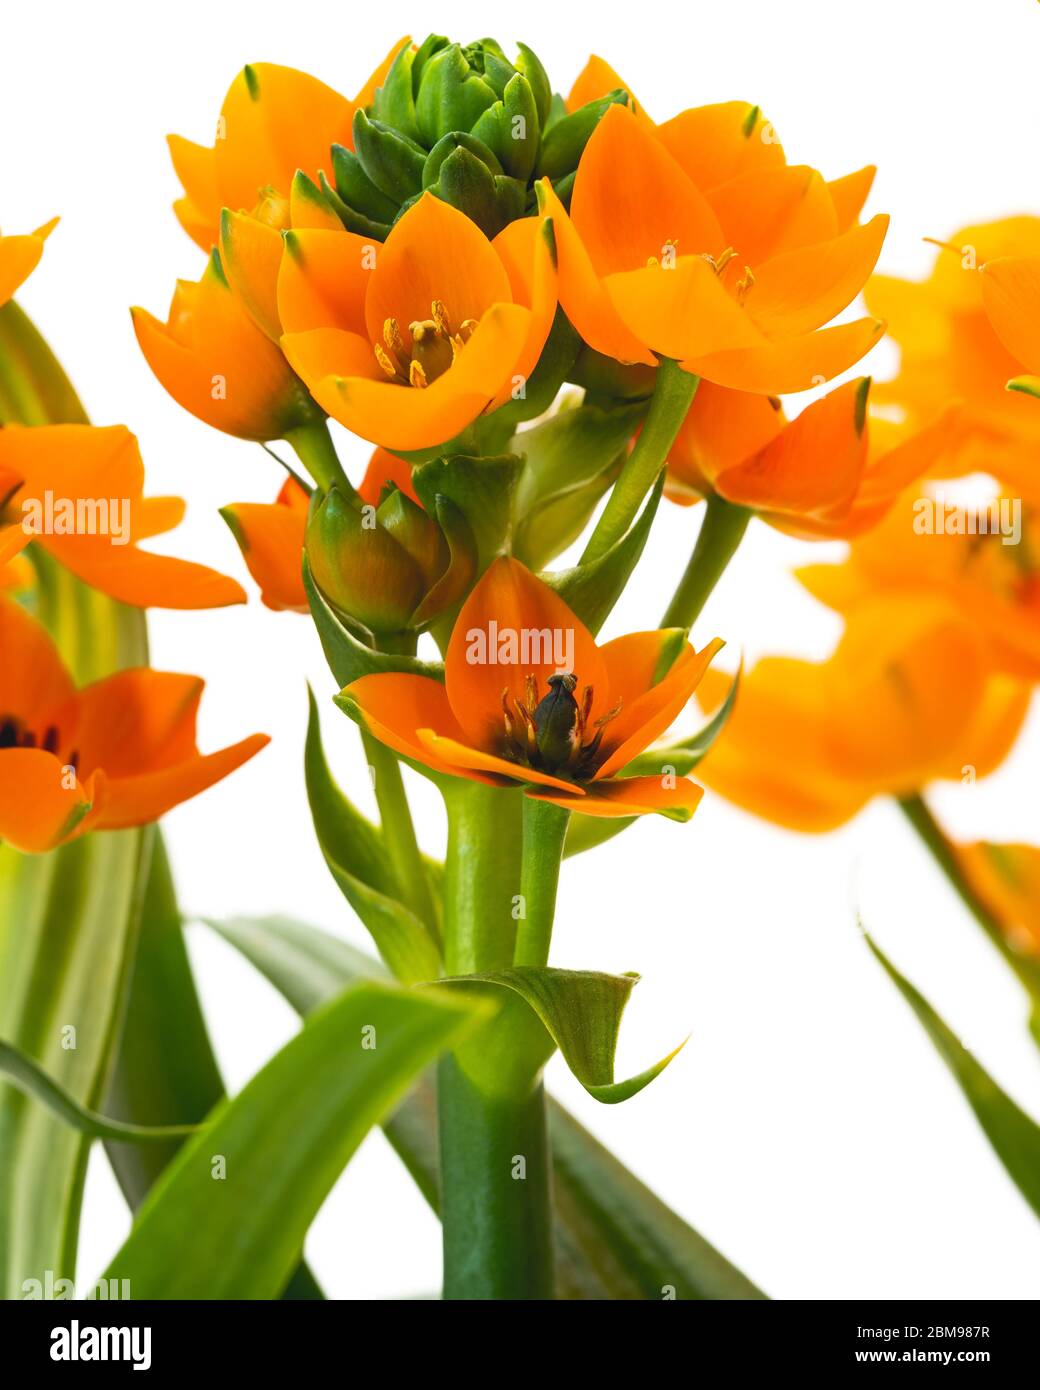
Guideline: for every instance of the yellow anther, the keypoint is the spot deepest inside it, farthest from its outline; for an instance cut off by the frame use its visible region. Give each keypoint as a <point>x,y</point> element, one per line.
<point>392,337</point>
<point>416,375</point>
<point>744,284</point>
<point>439,314</point>
<point>386,362</point>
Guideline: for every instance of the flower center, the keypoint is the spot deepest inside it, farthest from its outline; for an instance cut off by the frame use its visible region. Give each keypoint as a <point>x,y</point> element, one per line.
<point>554,733</point>
<point>429,350</point>
<point>14,733</point>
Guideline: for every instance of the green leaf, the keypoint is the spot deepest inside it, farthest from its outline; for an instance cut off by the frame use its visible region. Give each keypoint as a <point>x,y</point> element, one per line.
<point>590,590</point>
<point>569,462</point>
<point>581,1012</point>
<point>564,141</point>
<point>284,1140</point>
<point>348,657</point>
<point>614,1237</point>
<point>32,1080</point>
<point>1014,1135</point>
<point>357,857</point>
<point>68,919</point>
<point>495,431</point>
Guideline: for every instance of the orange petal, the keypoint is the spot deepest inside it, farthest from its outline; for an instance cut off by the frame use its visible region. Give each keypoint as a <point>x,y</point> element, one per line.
<point>404,418</point>
<point>384,467</point>
<point>19,257</point>
<point>251,252</point>
<point>434,252</point>
<point>512,626</point>
<point>323,280</point>
<point>527,249</point>
<point>795,364</point>
<point>396,705</point>
<point>137,800</point>
<point>199,212</point>
<point>769,210</point>
<point>797,291</point>
<point>813,466</point>
<point>681,310</point>
<point>716,143</point>
<point>597,79</point>
<point>37,811</point>
<point>649,715</point>
<point>582,293</point>
<point>271,541</point>
<point>1011,295</point>
<point>992,734</point>
<point>675,797</point>
<point>660,205</point>
<point>461,759</point>
<point>33,678</point>
<point>849,193</point>
<point>136,721</point>
<point>141,579</point>
<point>722,428</point>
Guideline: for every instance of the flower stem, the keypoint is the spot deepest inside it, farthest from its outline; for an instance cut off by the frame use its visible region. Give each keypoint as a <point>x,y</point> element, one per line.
<point>674,390</point>
<point>316,451</point>
<point>402,847</point>
<point>721,532</point>
<point>944,852</point>
<point>545,829</point>
<point>496,1208</point>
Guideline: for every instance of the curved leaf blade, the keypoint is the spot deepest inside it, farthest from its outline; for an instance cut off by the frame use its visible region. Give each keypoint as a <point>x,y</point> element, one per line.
<point>284,1141</point>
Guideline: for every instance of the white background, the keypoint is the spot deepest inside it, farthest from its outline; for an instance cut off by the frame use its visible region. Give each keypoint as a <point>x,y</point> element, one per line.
<point>808,1129</point>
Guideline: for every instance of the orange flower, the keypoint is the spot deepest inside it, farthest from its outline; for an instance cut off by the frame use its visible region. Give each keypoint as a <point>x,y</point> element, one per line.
<point>274,121</point>
<point>831,472</point>
<point>76,491</point>
<point>530,698</point>
<point>116,753</point>
<point>951,353</point>
<point>215,362</point>
<point>271,534</point>
<point>992,579</point>
<point>19,257</point>
<point>1007,879</point>
<point>906,697</point>
<point>1011,298</point>
<point>409,342</point>
<point>734,286</point>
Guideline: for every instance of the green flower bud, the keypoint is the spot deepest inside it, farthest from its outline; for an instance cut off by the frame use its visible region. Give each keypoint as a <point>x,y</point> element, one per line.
<point>465,122</point>
<point>391,568</point>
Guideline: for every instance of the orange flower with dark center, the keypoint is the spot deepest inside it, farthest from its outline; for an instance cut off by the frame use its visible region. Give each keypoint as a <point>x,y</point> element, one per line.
<point>408,342</point>
<point>530,698</point>
<point>116,753</point>
<point>19,257</point>
<point>77,492</point>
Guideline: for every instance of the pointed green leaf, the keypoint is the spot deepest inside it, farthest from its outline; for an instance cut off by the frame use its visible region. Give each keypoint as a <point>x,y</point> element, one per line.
<point>581,1011</point>
<point>614,1238</point>
<point>283,1141</point>
<point>481,488</point>
<point>356,854</point>
<point>1014,1135</point>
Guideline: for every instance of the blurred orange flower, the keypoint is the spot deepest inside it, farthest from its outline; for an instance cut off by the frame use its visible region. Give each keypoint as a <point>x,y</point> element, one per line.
<point>530,698</point>
<point>907,696</point>
<point>77,492</point>
<point>116,753</point>
<point>408,342</point>
<point>1007,879</point>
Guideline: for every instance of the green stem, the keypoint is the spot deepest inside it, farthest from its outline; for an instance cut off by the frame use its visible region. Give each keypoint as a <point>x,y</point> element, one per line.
<point>545,829</point>
<point>944,852</point>
<point>496,1207</point>
<point>395,817</point>
<point>722,530</point>
<point>316,451</point>
<point>674,390</point>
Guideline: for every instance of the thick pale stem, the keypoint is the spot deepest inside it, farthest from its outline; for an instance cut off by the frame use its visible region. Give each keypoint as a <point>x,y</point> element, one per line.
<point>722,530</point>
<point>399,832</point>
<point>496,1207</point>
<point>674,390</point>
<point>545,829</point>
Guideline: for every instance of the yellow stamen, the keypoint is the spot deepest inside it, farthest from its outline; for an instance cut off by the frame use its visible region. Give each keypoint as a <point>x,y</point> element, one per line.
<point>384,360</point>
<point>416,375</point>
<point>744,284</point>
